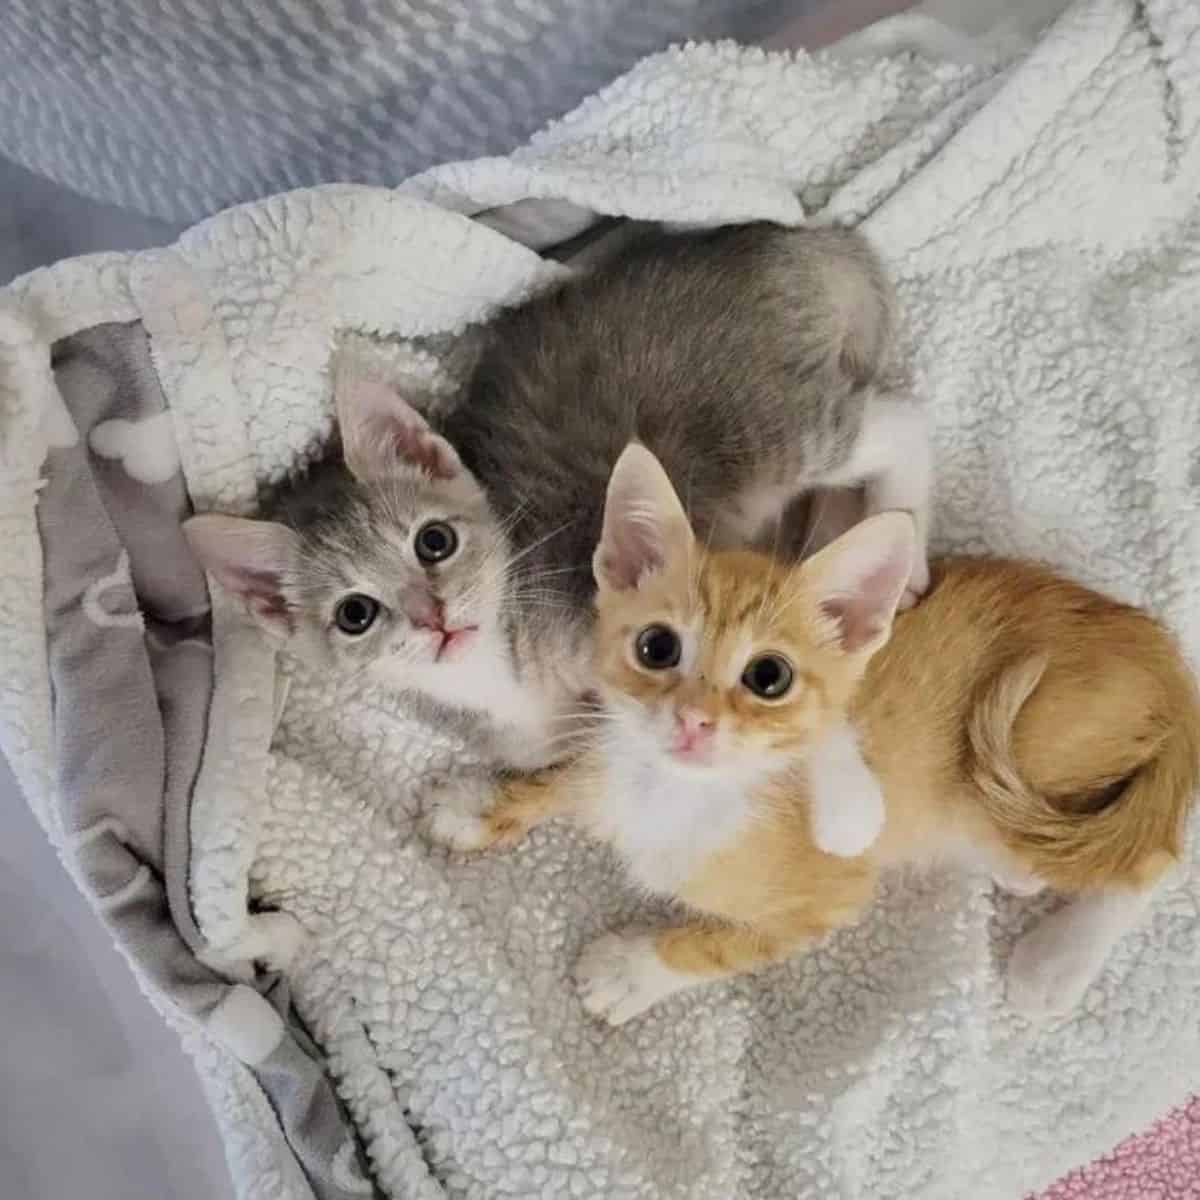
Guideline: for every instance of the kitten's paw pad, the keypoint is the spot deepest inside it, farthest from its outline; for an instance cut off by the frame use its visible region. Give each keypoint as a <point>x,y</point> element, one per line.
<point>459,831</point>
<point>620,976</point>
<point>1047,978</point>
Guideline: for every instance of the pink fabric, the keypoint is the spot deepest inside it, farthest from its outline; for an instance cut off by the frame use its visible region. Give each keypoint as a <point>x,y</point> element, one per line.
<point>1161,1164</point>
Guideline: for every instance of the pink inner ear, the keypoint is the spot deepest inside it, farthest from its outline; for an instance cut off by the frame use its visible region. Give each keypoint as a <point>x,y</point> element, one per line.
<point>380,430</point>
<point>633,554</point>
<point>864,613</point>
<point>425,450</point>
<point>270,606</point>
<point>261,591</point>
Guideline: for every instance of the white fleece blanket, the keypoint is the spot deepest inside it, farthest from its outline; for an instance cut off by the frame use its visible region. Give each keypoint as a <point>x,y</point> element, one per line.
<point>1043,224</point>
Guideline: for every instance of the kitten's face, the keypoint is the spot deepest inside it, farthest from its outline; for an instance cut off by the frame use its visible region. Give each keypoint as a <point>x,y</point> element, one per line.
<point>731,661</point>
<point>725,664</point>
<point>398,572</point>
<point>407,577</point>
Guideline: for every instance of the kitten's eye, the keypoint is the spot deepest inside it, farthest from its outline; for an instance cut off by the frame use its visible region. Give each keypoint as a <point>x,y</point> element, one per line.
<point>768,676</point>
<point>436,541</point>
<point>658,647</point>
<point>356,613</point>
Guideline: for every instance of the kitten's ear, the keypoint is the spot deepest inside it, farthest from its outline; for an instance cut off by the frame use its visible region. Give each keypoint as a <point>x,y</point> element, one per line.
<point>645,527</point>
<point>248,559</point>
<point>382,431</point>
<point>858,579</point>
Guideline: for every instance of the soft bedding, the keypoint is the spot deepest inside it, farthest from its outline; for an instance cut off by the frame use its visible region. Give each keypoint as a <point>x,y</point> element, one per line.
<point>216,805</point>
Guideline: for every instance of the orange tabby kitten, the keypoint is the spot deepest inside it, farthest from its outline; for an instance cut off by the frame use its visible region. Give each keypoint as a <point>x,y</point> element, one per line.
<point>1014,720</point>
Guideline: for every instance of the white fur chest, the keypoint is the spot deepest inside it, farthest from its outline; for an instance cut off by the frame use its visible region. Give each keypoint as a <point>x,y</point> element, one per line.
<point>665,821</point>
<point>530,718</point>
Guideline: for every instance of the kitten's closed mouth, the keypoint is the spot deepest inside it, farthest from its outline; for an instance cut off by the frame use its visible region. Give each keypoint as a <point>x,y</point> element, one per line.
<point>453,640</point>
<point>695,757</point>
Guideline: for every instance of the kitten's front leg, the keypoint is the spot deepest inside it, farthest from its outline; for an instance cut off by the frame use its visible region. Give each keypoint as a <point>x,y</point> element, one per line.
<point>620,975</point>
<point>846,802</point>
<point>516,804</point>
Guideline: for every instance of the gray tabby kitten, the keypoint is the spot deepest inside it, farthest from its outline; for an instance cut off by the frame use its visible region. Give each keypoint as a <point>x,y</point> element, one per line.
<point>456,563</point>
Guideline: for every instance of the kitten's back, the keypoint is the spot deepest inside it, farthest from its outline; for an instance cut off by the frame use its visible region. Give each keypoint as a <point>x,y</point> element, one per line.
<point>735,355</point>
<point>1041,713</point>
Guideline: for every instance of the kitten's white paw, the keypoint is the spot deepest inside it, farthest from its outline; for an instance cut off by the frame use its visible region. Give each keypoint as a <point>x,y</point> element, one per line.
<point>466,792</point>
<point>620,976</point>
<point>455,803</point>
<point>1053,964</point>
<point>1047,973</point>
<point>849,826</point>
<point>464,832</point>
<point>846,811</point>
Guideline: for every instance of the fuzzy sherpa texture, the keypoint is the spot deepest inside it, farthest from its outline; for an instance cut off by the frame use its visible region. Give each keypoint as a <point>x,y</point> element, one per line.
<point>1043,225</point>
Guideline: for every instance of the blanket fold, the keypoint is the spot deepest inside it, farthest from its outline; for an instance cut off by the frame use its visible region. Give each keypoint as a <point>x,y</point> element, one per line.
<point>1042,219</point>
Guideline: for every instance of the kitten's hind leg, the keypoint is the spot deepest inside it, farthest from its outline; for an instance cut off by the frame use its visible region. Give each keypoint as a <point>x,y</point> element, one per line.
<point>815,519</point>
<point>892,456</point>
<point>1054,963</point>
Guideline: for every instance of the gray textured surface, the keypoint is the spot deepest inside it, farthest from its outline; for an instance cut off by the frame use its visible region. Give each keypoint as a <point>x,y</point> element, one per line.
<point>177,109</point>
<point>99,1097</point>
<point>41,222</point>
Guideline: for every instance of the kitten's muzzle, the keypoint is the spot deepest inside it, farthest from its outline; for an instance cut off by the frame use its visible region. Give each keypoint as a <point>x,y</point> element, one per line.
<point>425,611</point>
<point>693,734</point>
<point>453,640</point>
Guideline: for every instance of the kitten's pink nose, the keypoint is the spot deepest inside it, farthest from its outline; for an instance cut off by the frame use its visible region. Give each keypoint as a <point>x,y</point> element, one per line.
<point>423,610</point>
<point>694,730</point>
